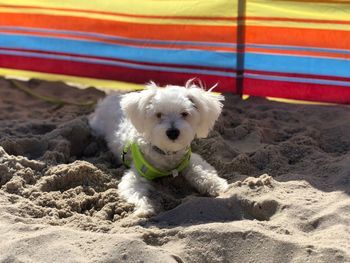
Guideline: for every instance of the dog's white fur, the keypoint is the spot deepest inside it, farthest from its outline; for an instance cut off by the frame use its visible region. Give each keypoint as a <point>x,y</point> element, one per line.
<point>144,117</point>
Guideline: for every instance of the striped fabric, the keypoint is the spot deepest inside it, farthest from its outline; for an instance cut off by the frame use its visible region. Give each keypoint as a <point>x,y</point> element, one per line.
<point>298,49</point>
<point>290,49</point>
<point>134,41</point>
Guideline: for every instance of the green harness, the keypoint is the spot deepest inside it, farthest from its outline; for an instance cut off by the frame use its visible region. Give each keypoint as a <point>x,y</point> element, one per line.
<point>145,169</point>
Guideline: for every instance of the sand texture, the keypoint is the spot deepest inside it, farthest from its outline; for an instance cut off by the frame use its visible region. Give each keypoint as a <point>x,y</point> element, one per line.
<point>288,165</point>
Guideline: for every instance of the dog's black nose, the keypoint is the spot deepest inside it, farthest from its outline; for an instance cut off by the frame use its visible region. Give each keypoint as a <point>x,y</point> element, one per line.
<point>172,133</point>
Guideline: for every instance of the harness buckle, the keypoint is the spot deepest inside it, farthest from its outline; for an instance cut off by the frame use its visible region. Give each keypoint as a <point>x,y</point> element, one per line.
<point>175,173</point>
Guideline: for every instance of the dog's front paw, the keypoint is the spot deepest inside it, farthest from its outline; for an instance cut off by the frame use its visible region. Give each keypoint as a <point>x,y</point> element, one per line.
<point>144,212</point>
<point>219,187</point>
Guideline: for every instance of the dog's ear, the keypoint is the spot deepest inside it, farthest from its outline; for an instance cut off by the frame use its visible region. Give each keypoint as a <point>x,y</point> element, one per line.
<point>209,107</point>
<point>134,106</point>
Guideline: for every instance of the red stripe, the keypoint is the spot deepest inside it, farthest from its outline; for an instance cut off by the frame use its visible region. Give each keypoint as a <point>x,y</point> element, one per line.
<point>296,75</point>
<point>297,91</point>
<point>82,69</point>
<point>123,14</point>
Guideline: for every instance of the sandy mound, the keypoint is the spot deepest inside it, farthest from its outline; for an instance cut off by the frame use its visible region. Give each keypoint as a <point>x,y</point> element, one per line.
<point>58,198</point>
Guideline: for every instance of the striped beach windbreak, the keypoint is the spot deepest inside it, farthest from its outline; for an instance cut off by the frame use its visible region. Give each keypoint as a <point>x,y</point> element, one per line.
<point>290,49</point>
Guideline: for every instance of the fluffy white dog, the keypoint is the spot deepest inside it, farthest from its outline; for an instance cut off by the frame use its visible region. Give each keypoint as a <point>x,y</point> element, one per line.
<point>153,130</point>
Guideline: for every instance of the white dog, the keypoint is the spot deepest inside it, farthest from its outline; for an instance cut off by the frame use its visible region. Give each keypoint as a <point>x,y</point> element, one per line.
<point>153,130</point>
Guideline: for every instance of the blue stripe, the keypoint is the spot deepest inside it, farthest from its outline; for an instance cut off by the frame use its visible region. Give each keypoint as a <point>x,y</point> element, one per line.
<point>117,63</point>
<point>298,64</point>
<point>94,48</point>
<point>175,42</point>
<point>296,48</point>
<point>299,80</point>
<point>118,38</point>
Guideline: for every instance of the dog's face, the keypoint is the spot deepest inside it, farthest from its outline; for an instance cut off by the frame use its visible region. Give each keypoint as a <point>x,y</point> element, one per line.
<point>171,117</point>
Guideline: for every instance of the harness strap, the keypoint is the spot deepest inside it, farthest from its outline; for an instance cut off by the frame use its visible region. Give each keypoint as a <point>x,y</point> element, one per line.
<point>145,169</point>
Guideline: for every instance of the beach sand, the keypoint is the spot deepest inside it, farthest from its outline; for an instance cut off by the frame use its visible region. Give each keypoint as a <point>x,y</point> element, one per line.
<point>288,165</point>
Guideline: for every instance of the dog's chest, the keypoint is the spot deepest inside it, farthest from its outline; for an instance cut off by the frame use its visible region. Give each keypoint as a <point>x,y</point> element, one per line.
<point>163,162</point>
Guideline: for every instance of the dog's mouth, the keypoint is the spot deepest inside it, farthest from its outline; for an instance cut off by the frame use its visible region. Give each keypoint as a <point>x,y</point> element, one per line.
<point>173,146</point>
<point>162,152</point>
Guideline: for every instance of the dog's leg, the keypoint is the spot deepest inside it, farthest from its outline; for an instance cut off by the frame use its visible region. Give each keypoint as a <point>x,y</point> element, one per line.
<point>135,190</point>
<point>204,177</point>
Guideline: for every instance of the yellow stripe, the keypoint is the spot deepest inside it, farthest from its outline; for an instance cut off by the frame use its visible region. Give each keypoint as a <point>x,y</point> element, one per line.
<point>226,8</point>
<point>299,10</point>
<point>80,82</point>
<point>303,10</point>
<point>188,8</point>
<point>291,101</point>
<point>121,18</point>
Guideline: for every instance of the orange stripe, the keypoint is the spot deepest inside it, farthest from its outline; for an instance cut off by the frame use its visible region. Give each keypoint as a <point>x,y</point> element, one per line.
<point>225,34</point>
<point>298,53</point>
<point>322,38</point>
<point>220,18</point>
<point>145,44</point>
<point>320,1</point>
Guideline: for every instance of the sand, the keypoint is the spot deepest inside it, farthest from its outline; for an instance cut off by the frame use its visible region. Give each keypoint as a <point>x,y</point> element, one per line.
<point>288,165</point>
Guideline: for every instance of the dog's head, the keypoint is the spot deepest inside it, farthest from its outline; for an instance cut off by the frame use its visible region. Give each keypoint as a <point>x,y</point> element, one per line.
<point>171,117</point>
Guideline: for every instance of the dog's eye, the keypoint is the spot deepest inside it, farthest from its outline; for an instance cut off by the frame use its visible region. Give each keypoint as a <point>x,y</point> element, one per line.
<point>159,115</point>
<point>184,114</point>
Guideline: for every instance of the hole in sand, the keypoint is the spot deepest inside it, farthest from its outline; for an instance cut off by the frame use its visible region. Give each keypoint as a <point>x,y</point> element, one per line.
<point>201,210</point>
<point>260,210</point>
